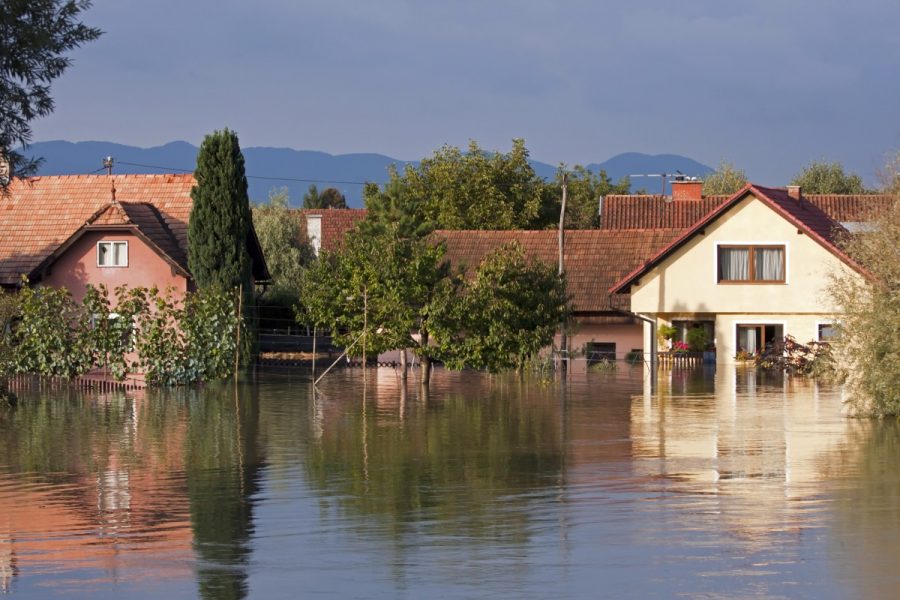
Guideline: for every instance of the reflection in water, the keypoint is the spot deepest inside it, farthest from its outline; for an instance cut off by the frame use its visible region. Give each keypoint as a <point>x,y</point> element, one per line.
<point>727,484</point>
<point>436,463</point>
<point>865,538</point>
<point>223,462</point>
<point>81,479</point>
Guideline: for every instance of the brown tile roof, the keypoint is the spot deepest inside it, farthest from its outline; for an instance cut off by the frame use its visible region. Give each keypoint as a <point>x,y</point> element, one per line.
<point>40,214</point>
<point>655,211</point>
<point>593,259</point>
<point>336,222</point>
<point>806,216</point>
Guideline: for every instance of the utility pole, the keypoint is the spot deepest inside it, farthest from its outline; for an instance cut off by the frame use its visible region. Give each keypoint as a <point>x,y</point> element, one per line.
<point>108,164</point>
<point>365,328</point>
<point>564,342</point>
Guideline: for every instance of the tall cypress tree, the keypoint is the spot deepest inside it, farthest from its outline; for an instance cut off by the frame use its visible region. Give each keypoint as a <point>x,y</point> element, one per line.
<point>220,217</point>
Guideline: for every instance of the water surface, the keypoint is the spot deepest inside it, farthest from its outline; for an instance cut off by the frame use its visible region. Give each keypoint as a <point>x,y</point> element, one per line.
<point>734,484</point>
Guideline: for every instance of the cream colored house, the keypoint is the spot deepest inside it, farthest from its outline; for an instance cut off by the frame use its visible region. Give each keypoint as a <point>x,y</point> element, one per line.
<point>751,272</point>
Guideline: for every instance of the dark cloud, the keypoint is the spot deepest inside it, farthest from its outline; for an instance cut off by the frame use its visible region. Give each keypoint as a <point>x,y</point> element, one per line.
<point>768,85</point>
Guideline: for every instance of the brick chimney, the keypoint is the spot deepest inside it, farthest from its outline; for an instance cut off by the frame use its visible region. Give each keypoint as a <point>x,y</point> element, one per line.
<point>688,188</point>
<point>794,192</point>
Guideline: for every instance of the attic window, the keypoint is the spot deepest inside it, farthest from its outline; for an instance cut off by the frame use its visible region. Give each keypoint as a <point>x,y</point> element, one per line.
<point>112,254</point>
<point>751,264</point>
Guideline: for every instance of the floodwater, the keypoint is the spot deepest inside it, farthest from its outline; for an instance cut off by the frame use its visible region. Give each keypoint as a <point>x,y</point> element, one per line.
<point>733,484</point>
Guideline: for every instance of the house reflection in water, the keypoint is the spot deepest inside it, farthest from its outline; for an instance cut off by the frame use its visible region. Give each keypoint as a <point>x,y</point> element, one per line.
<point>762,440</point>
<point>98,497</point>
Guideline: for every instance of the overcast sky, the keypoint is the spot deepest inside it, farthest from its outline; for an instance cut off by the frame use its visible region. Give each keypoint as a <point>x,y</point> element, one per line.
<point>767,84</point>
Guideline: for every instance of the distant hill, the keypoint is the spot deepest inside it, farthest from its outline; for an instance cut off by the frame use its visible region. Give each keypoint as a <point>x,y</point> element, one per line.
<point>269,168</point>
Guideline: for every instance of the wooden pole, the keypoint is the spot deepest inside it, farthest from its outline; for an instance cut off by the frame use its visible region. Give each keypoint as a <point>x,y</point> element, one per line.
<point>563,341</point>
<point>365,328</point>
<point>314,352</point>
<point>237,346</point>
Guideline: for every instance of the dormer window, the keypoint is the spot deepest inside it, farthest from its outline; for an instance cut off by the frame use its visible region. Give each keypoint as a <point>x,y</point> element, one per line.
<point>112,254</point>
<point>751,264</point>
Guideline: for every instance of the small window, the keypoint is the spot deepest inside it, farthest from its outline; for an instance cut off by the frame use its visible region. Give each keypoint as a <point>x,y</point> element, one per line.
<point>600,352</point>
<point>112,254</point>
<point>751,264</point>
<point>827,332</point>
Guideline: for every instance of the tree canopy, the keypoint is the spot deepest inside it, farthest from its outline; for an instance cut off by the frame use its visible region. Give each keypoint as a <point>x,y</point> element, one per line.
<point>220,218</point>
<point>328,198</point>
<point>453,189</point>
<point>866,352</point>
<point>828,178</point>
<point>284,245</point>
<point>35,36</point>
<point>585,188</point>
<point>401,293</point>
<point>725,180</point>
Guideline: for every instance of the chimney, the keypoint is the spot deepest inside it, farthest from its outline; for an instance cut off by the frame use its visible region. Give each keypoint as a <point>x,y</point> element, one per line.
<point>687,188</point>
<point>794,192</point>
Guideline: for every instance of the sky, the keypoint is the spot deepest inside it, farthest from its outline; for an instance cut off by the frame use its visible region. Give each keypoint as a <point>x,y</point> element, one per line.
<point>768,85</point>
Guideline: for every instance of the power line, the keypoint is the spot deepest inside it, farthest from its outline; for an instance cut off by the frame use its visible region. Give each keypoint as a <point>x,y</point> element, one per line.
<point>263,177</point>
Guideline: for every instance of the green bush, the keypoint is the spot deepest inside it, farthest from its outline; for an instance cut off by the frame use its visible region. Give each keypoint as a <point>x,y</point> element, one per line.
<point>697,339</point>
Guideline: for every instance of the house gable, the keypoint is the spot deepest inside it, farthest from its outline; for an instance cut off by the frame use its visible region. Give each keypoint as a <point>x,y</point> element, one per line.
<point>684,278</point>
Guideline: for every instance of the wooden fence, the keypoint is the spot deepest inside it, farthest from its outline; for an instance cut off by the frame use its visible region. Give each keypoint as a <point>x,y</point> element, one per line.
<point>98,382</point>
<point>668,360</point>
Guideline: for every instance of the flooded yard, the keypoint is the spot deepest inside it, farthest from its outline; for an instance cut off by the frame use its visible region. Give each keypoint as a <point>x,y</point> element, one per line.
<point>728,484</point>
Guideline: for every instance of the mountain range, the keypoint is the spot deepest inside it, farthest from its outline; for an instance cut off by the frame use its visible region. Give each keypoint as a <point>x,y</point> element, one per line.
<point>274,168</point>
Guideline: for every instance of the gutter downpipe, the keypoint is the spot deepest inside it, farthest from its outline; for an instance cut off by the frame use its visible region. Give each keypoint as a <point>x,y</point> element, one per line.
<point>653,363</point>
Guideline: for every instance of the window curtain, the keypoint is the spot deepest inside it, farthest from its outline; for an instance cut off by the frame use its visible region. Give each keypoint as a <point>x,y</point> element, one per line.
<point>769,263</point>
<point>734,264</point>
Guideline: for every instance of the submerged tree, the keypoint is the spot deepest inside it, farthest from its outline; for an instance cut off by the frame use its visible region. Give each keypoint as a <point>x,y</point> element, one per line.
<point>35,36</point>
<point>503,315</point>
<point>867,353</point>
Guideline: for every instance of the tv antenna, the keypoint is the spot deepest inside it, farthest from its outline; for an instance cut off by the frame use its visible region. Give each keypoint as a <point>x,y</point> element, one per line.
<point>676,176</point>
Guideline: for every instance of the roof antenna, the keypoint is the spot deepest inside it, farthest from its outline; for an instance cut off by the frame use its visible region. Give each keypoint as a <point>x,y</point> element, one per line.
<point>108,164</point>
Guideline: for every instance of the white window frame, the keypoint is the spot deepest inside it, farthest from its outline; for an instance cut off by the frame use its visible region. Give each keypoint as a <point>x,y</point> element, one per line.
<point>787,259</point>
<point>833,323</point>
<point>111,244</point>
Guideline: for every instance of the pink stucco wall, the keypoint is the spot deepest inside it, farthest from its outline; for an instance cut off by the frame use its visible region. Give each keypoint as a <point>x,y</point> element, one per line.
<point>78,266</point>
<point>626,337</point>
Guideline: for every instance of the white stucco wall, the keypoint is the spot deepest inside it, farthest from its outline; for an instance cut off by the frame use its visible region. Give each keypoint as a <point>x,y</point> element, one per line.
<point>685,285</point>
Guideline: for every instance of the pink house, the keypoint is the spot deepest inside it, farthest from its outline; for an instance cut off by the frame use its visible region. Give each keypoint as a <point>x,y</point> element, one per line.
<point>69,231</point>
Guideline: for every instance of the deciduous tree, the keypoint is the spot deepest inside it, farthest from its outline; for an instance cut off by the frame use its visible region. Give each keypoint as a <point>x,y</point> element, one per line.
<point>725,180</point>
<point>35,36</point>
<point>828,178</point>
<point>284,245</point>
<point>867,353</point>
<point>328,198</point>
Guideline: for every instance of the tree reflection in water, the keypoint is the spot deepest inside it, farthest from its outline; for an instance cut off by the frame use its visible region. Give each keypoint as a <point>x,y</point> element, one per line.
<point>223,462</point>
<point>452,464</point>
<point>865,538</point>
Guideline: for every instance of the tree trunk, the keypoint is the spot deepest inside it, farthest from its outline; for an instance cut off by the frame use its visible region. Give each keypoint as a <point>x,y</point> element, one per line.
<point>426,360</point>
<point>403,364</point>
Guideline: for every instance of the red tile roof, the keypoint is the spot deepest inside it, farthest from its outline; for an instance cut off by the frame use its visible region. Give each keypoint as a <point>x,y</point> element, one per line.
<point>336,222</point>
<point>593,259</point>
<point>806,216</point>
<point>40,214</point>
<point>655,211</point>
